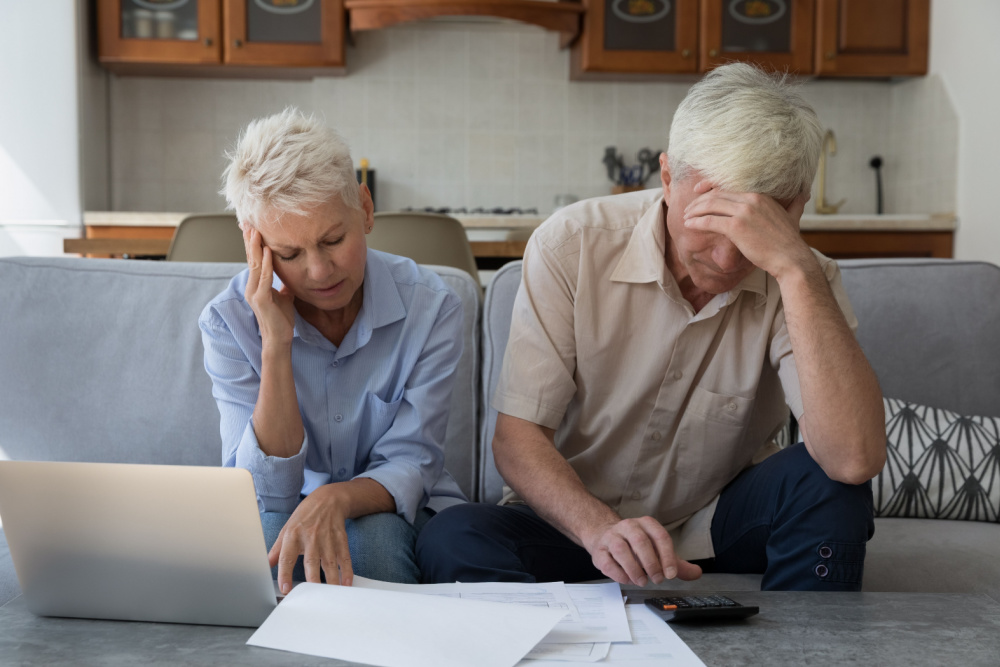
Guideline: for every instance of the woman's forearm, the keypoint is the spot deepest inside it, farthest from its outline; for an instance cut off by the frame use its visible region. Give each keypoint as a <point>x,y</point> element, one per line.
<point>277,422</point>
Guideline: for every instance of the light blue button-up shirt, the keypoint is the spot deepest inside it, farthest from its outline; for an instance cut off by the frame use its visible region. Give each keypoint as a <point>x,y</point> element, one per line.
<point>376,406</point>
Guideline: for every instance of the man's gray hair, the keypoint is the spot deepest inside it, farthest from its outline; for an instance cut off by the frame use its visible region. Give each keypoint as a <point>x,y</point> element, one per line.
<point>746,131</point>
<point>288,163</point>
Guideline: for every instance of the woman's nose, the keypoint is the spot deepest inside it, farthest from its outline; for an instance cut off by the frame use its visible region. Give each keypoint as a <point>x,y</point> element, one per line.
<point>319,266</point>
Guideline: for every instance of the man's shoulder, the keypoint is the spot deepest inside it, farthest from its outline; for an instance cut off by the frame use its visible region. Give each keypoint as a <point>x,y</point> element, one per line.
<point>612,213</point>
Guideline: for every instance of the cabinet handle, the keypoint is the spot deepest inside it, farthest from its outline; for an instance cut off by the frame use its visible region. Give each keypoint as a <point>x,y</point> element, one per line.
<point>237,43</point>
<point>830,55</point>
<point>713,53</point>
<point>208,41</point>
<point>686,53</point>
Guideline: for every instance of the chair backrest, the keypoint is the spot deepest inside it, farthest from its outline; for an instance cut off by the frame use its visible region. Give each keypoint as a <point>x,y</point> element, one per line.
<point>931,329</point>
<point>426,238</point>
<point>208,238</point>
<point>497,308</point>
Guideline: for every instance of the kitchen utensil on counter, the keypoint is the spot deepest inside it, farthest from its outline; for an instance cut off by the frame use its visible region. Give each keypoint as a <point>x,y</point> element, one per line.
<point>366,176</point>
<point>564,200</point>
<point>876,164</point>
<point>632,177</point>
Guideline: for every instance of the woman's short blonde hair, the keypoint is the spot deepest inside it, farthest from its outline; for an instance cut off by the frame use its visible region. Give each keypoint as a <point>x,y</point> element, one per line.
<point>746,131</point>
<point>288,163</point>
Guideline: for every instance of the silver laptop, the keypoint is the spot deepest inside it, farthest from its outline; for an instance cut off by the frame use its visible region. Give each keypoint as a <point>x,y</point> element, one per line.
<point>175,544</point>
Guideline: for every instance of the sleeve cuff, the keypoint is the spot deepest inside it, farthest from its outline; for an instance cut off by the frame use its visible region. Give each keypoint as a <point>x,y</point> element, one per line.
<point>404,483</point>
<point>277,481</point>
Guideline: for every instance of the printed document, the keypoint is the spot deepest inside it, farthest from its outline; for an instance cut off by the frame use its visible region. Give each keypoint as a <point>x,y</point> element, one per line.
<point>391,629</point>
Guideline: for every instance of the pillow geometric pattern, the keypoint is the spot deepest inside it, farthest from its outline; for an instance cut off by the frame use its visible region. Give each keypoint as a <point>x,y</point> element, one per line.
<point>940,465</point>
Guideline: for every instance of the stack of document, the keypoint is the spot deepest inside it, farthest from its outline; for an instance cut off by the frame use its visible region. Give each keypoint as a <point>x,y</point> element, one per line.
<point>458,625</point>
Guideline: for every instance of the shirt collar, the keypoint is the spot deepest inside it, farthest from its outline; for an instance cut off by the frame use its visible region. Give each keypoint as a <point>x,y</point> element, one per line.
<point>381,305</point>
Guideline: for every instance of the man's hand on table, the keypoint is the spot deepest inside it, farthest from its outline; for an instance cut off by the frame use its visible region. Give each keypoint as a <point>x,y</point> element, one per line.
<point>635,551</point>
<point>316,531</point>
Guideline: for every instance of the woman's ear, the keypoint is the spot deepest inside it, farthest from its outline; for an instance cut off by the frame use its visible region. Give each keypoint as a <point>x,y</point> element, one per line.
<point>367,206</point>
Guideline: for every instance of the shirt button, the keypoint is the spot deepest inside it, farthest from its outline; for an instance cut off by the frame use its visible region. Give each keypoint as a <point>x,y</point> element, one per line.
<point>636,495</point>
<point>822,571</point>
<point>656,435</point>
<point>731,407</point>
<point>342,472</point>
<point>825,552</point>
<point>336,362</point>
<point>678,375</point>
<point>338,418</point>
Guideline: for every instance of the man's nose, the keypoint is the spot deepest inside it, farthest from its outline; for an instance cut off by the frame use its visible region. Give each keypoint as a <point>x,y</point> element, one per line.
<point>727,257</point>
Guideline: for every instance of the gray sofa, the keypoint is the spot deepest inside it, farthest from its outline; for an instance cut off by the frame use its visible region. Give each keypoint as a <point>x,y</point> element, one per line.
<point>101,360</point>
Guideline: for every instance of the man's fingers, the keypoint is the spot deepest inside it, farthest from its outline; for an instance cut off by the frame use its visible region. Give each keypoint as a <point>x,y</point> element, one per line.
<point>343,555</point>
<point>687,571</point>
<point>639,540</point>
<point>272,555</point>
<point>608,566</point>
<point>623,555</point>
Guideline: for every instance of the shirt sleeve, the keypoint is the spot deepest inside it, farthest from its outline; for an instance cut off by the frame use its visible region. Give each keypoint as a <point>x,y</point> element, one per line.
<point>408,459</point>
<point>781,345</point>
<point>536,382</point>
<point>236,386</point>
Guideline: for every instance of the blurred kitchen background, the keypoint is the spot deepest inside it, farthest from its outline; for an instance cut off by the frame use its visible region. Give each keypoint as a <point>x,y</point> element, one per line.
<point>458,113</point>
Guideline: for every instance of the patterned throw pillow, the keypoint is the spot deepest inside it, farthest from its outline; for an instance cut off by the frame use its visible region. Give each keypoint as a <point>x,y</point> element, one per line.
<point>941,465</point>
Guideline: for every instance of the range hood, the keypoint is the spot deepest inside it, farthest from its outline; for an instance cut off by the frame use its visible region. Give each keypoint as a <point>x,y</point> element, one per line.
<point>560,16</point>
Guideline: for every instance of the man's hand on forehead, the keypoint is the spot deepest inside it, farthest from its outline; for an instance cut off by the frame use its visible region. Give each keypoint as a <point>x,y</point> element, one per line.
<point>765,230</point>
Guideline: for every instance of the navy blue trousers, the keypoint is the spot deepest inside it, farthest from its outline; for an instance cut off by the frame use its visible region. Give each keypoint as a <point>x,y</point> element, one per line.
<point>783,518</point>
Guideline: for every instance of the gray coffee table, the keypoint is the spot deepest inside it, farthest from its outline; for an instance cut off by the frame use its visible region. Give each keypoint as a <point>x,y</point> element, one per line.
<point>792,629</point>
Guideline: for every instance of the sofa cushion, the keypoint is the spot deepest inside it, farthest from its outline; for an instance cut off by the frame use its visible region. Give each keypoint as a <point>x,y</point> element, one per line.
<point>9,588</point>
<point>929,328</point>
<point>940,465</point>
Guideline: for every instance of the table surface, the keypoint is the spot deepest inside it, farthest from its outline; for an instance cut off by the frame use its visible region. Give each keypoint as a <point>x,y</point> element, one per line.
<point>792,628</point>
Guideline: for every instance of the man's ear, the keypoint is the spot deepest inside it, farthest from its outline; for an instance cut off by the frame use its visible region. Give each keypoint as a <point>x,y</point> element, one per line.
<point>665,177</point>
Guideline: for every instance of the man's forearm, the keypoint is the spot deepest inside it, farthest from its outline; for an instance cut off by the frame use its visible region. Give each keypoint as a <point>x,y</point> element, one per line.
<point>843,418</point>
<point>528,461</point>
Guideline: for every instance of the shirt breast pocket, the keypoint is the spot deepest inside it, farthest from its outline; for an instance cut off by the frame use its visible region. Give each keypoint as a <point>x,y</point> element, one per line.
<point>710,435</point>
<point>378,418</point>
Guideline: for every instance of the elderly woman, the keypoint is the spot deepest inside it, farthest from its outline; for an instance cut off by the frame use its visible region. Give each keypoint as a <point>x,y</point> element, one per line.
<point>332,364</point>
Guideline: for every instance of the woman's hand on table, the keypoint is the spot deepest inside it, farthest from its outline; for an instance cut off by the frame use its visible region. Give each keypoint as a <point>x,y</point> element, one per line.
<point>316,531</point>
<point>274,309</point>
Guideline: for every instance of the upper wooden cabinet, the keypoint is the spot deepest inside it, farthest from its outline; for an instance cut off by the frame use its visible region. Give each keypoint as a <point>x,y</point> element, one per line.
<point>637,37</point>
<point>777,34</point>
<point>833,38</point>
<point>143,36</point>
<point>872,37</point>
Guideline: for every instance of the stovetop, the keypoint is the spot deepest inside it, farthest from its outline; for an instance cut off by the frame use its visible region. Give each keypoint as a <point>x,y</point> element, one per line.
<point>475,211</point>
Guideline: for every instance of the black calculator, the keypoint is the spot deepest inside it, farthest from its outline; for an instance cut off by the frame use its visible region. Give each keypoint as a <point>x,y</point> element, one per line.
<point>698,608</point>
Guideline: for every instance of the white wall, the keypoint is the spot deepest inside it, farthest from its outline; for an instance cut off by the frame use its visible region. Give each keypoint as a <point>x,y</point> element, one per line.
<point>484,115</point>
<point>39,127</point>
<point>964,54</point>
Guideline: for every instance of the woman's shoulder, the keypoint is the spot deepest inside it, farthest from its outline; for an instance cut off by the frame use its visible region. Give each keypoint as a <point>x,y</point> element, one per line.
<point>229,305</point>
<point>412,278</point>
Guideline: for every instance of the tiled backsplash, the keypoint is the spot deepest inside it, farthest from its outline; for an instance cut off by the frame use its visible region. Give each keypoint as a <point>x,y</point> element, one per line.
<point>473,114</point>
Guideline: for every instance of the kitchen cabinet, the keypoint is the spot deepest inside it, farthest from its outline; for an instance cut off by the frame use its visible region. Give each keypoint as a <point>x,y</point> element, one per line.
<point>220,37</point>
<point>776,34</point>
<point>642,39</point>
<point>875,39</point>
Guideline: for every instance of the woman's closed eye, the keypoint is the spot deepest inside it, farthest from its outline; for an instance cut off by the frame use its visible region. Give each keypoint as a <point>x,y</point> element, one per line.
<point>335,241</point>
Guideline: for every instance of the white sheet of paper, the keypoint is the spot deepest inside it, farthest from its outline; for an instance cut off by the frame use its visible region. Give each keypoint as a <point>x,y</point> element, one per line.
<point>602,616</point>
<point>391,629</point>
<point>553,595</point>
<point>569,652</point>
<point>654,644</point>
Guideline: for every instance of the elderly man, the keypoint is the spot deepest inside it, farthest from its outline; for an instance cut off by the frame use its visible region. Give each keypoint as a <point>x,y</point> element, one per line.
<point>657,343</point>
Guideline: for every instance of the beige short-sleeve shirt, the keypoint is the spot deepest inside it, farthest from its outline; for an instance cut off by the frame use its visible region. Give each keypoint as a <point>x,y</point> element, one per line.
<point>655,407</point>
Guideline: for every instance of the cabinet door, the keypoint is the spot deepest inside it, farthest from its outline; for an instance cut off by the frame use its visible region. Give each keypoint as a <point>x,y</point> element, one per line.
<point>777,34</point>
<point>638,36</point>
<point>291,33</point>
<point>158,31</point>
<point>872,37</point>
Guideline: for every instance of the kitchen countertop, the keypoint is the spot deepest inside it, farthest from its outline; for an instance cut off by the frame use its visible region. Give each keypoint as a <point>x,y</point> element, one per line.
<point>890,223</point>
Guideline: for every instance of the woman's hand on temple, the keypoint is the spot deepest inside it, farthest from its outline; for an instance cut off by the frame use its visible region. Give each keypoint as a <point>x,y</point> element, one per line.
<point>274,309</point>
